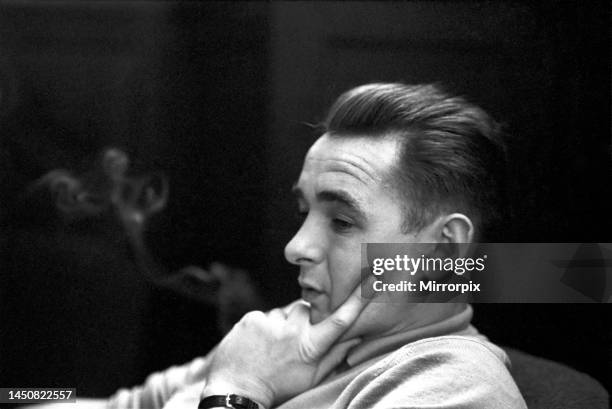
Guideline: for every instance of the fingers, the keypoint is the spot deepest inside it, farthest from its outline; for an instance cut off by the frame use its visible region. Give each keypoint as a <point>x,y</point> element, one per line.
<point>334,357</point>
<point>253,318</point>
<point>327,332</point>
<point>298,305</point>
<point>299,313</point>
<point>277,314</point>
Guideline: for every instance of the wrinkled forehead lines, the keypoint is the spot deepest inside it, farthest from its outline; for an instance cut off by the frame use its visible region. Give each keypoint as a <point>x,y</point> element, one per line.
<point>366,158</point>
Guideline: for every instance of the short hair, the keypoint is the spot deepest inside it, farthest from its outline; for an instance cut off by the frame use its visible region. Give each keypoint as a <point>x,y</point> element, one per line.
<point>452,155</point>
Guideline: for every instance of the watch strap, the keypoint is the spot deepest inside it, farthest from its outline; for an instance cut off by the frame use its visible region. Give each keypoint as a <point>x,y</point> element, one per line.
<point>227,401</point>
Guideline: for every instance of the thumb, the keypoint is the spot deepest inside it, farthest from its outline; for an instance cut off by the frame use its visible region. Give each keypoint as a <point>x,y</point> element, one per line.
<point>327,332</point>
<point>333,358</point>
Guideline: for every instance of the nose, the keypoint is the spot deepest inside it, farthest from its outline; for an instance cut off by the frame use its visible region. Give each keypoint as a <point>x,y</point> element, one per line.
<point>307,246</point>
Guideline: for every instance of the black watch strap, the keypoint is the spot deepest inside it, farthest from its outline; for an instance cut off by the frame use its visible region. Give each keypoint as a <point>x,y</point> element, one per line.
<point>227,401</point>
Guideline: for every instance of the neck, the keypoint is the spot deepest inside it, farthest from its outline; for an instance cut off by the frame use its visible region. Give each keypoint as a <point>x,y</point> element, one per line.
<point>434,320</point>
<point>424,315</point>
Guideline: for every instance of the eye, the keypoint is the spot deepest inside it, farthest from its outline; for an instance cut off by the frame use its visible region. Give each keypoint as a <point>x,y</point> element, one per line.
<point>341,224</point>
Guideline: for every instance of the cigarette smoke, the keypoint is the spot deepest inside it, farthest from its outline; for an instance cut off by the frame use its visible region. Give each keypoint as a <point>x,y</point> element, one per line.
<point>134,199</point>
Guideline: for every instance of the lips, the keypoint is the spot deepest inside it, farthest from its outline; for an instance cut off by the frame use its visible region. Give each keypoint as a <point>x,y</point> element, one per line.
<point>310,295</point>
<point>310,292</point>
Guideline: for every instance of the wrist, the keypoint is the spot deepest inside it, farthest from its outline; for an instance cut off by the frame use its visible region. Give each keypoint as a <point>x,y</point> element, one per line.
<point>249,389</point>
<point>227,401</point>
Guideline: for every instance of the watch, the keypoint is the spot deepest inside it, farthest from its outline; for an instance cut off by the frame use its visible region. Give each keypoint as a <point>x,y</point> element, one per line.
<point>227,401</point>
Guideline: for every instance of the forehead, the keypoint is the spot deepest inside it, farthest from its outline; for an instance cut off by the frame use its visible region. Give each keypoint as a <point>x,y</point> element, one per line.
<point>367,160</point>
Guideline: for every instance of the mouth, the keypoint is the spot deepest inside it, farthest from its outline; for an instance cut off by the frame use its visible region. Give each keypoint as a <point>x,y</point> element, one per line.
<point>311,296</point>
<point>310,293</point>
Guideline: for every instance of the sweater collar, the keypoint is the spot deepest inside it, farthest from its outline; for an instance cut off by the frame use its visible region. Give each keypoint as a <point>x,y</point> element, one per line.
<point>458,323</point>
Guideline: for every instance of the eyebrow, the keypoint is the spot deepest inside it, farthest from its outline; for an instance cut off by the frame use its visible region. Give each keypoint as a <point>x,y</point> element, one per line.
<point>333,196</point>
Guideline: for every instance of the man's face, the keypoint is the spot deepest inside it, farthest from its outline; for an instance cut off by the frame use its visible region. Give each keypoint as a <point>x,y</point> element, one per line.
<point>346,198</point>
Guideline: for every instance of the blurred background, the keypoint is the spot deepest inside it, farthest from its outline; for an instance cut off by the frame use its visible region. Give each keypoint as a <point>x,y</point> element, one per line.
<point>217,96</point>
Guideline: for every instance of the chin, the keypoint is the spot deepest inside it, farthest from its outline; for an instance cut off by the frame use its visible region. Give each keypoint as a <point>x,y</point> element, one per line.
<point>317,315</point>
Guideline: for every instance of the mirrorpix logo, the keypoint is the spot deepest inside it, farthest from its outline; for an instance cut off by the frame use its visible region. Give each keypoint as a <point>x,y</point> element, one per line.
<point>589,271</point>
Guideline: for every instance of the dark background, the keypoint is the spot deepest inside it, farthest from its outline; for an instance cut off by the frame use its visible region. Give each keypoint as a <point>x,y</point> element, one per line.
<point>218,96</point>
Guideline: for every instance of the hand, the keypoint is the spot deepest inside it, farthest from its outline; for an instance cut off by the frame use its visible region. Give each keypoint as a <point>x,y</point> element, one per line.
<point>272,357</point>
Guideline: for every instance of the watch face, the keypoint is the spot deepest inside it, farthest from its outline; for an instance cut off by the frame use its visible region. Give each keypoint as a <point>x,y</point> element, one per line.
<point>240,402</point>
<point>228,401</point>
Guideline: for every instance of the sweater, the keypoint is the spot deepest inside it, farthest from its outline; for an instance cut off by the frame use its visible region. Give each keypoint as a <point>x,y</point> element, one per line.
<point>447,364</point>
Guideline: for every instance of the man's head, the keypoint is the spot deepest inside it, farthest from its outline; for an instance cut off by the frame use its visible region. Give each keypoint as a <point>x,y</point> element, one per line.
<point>396,163</point>
<point>451,155</point>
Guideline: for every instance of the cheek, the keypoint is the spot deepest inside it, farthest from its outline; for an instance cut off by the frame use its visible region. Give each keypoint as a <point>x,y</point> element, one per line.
<point>345,274</point>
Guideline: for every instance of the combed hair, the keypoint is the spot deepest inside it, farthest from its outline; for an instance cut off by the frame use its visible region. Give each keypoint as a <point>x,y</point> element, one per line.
<point>452,157</point>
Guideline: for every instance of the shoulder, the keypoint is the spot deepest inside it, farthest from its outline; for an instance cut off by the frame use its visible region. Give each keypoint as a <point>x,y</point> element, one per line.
<point>447,371</point>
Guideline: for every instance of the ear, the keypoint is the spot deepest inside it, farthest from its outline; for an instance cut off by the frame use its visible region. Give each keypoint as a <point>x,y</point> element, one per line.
<point>449,228</point>
<point>452,234</point>
<point>457,228</point>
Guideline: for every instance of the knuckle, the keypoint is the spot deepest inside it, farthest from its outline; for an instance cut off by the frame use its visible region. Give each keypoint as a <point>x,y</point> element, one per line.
<point>252,317</point>
<point>308,352</point>
<point>339,322</point>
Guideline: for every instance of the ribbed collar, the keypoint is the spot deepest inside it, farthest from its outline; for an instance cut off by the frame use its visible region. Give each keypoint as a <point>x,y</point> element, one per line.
<point>459,323</point>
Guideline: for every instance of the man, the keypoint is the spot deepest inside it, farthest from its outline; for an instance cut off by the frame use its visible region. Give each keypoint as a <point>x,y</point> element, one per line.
<point>395,164</point>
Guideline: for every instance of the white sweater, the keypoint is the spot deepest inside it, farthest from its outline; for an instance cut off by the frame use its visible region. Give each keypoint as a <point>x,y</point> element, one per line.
<point>443,365</point>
